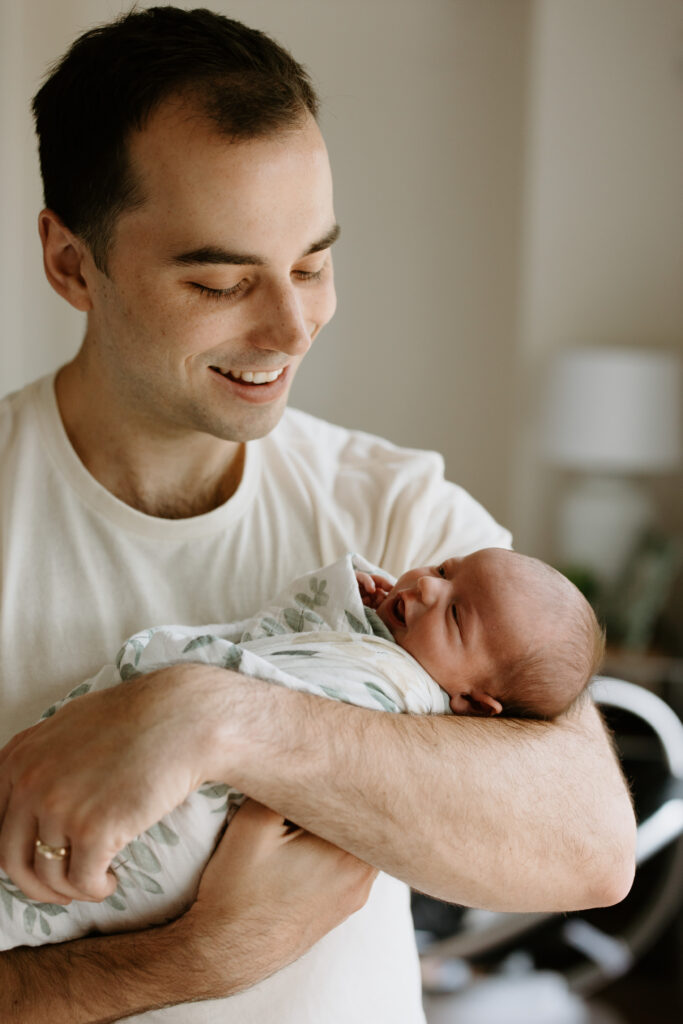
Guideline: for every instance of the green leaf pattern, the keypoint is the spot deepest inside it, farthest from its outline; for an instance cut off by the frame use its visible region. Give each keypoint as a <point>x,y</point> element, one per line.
<point>34,912</point>
<point>271,626</point>
<point>355,623</point>
<point>233,658</point>
<point>342,647</point>
<point>199,641</point>
<point>378,694</point>
<point>163,833</point>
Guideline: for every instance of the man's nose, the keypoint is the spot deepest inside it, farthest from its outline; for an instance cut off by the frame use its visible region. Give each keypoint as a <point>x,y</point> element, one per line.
<point>284,327</point>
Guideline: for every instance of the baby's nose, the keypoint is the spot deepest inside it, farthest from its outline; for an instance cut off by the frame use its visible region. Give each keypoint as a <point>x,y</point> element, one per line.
<point>428,588</point>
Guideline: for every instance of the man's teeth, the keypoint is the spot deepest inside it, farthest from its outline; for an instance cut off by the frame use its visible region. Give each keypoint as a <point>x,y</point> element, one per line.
<point>260,377</point>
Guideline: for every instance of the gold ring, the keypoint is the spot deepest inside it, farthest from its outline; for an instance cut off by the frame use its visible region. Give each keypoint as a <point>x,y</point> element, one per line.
<point>51,852</point>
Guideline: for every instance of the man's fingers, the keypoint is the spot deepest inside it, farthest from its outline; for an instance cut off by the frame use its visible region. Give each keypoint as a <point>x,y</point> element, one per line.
<point>290,868</point>
<point>80,875</point>
<point>255,823</point>
<point>40,871</point>
<point>284,891</point>
<point>65,781</point>
<point>49,866</point>
<point>91,874</point>
<point>17,852</point>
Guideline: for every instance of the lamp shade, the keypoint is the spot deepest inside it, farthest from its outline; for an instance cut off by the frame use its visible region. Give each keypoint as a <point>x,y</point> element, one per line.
<point>614,410</point>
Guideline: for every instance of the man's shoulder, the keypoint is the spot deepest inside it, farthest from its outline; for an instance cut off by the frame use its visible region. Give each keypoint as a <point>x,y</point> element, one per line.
<point>15,409</point>
<point>401,508</point>
<point>315,438</point>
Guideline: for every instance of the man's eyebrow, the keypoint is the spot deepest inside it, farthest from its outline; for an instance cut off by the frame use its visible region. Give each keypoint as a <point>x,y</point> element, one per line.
<point>325,242</point>
<point>216,254</point>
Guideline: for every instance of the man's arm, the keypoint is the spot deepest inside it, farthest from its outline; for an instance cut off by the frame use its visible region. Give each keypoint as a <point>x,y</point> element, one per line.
<point>506,815</point>
<point>93,981</point>
<point>284,893</point>
<point>512,816</point>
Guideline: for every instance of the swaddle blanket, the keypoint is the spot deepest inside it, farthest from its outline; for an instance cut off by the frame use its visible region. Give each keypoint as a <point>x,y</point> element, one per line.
<point>316,636</point>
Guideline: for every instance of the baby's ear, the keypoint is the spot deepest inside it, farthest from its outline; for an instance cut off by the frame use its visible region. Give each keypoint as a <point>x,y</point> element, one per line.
<point>478,703</point>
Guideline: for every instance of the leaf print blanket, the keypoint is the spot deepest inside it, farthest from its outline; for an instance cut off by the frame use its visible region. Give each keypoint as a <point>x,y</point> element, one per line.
<point>316,636</point>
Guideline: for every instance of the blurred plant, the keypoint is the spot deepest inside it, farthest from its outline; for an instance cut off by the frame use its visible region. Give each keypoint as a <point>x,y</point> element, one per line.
<point>634,605</point>
<point>586,581</point>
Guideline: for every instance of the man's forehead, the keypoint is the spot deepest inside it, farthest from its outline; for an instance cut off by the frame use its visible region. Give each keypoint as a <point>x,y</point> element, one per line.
<point>208,200</point>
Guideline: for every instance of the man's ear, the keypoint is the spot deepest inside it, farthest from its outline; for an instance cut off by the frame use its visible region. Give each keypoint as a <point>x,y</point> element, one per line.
<point>63,256</point>
<point>478,703</point>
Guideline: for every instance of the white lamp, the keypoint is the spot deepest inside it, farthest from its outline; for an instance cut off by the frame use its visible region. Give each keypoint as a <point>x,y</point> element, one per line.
<point>610,413</point>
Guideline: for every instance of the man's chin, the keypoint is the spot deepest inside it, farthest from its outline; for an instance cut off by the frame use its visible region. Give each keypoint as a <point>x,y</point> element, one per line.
<point>254,424</point>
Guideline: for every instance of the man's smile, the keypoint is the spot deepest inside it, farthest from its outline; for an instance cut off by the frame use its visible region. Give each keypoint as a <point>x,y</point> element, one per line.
<point>254,386</point>
<point>250,376</point>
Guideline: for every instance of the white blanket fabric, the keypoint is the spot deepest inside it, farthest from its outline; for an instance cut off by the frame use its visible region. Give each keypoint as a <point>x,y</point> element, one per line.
<point>316,636</point>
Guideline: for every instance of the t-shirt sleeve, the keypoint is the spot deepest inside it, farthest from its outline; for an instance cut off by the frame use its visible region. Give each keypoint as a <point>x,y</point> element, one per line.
<point>431,518</point>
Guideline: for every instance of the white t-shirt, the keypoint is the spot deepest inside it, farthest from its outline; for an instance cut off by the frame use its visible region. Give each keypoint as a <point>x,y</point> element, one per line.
<point>81,571</point>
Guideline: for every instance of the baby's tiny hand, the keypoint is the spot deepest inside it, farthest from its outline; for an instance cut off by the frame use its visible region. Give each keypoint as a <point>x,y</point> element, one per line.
<point>373,589</point>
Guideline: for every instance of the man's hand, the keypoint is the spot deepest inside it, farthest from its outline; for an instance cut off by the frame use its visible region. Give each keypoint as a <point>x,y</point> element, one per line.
<point>281,892</point>
<point>103,769</point>
<point>265,898</point>
<point>373,588</point>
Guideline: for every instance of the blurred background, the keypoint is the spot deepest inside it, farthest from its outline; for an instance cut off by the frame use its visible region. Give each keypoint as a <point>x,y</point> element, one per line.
<point>510,281</point>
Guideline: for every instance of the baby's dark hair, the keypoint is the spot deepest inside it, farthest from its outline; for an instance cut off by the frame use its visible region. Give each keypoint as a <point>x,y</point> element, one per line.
<point>114,77</point>
<point>551,676</point>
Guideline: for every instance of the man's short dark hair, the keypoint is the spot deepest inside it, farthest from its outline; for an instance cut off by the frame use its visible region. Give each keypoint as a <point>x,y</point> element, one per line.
<point>114,77</point>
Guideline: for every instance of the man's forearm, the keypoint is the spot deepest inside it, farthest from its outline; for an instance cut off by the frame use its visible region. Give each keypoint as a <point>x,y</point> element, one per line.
<point>98,979</point>
<point>507,815</point>
<point>265,898</point>
<point>108,978</point>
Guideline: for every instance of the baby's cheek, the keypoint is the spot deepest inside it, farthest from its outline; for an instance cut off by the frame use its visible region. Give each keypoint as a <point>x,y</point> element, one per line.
<point>382,610</point>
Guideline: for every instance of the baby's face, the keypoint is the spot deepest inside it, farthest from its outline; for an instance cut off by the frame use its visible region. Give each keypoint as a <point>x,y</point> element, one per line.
<point>460,619</point>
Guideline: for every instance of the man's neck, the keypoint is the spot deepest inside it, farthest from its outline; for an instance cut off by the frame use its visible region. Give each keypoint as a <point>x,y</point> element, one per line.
<point>173,478</point>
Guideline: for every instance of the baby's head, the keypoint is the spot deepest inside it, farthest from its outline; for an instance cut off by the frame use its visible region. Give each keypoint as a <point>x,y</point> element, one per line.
<point>502,633</point>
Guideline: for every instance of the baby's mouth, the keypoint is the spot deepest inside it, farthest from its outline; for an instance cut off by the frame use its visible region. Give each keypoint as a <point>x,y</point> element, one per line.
<point>400,610</point>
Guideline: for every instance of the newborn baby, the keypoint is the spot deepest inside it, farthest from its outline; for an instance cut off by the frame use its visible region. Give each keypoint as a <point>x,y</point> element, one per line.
<point>500,632</point>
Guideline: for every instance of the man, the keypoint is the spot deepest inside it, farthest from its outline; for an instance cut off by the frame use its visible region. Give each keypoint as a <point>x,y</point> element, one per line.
<point>158,478</point>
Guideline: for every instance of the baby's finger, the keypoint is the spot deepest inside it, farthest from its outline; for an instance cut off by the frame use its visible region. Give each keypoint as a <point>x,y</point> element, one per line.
<point>366,580</point>
<point>382,583</point>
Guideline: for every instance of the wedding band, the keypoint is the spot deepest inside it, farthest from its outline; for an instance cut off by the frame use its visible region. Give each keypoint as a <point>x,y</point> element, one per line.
<point>51,852</point>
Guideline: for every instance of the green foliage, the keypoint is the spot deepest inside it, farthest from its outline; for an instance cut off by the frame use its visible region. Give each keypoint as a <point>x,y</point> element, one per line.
<point>386,702</point>
<point>199,641</point>
<point>355,623</point>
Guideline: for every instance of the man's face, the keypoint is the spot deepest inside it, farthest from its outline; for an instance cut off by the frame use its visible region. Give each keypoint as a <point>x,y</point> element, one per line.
<point>460,618</point>
<point>218,283</point>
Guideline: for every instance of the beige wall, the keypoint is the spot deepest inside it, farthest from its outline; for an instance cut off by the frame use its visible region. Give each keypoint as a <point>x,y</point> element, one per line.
<point>603,209</point>
<point>508,181</point>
